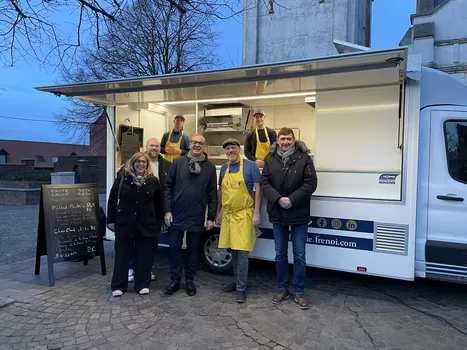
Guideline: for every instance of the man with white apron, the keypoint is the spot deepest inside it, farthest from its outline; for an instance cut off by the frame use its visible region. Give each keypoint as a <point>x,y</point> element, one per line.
<point>238,212</point>
<point>259,141</point>
<point>175,143</point>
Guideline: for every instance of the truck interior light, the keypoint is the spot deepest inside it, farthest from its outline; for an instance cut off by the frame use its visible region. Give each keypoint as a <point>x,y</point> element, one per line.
<point>360,108</point>
<point>240,98</point>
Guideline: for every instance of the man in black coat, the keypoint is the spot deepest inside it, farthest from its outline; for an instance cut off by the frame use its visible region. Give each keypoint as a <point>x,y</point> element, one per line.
<point>189,188</point>
<point>160,165</point>
<point>288,181</point>
<point>160,168</point>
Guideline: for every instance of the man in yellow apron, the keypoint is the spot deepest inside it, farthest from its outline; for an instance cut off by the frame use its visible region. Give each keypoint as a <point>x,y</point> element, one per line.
<point>175,143</point>
<point>259,141</point>
<point>238,212</point>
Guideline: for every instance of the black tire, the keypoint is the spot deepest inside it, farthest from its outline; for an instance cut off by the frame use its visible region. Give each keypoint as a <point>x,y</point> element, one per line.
<point>216,260</point>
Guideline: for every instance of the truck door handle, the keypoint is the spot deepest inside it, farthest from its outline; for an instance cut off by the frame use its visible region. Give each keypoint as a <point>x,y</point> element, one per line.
<point>450,198</point>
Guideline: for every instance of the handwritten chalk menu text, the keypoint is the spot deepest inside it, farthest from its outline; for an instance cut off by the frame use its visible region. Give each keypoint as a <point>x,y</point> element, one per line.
<point>73,221</point>
<point>68,222</point>
<point>130,145</point>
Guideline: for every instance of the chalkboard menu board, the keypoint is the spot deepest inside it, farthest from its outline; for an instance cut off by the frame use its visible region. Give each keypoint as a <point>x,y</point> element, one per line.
<point>130,145</point>
<point>70,225</point>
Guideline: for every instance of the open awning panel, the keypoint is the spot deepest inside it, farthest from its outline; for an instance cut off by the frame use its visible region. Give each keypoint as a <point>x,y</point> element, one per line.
<point>363,69</point>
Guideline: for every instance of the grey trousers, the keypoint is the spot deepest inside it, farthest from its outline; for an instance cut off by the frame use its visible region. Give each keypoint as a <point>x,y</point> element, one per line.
<point>240,267</point>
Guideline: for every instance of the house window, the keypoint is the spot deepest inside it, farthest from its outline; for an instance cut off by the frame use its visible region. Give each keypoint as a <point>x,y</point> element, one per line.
<point>3,156</point>
<point>40,159</point>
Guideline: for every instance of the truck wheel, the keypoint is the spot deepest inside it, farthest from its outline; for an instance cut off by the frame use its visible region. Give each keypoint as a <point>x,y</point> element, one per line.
<point>217,260</point>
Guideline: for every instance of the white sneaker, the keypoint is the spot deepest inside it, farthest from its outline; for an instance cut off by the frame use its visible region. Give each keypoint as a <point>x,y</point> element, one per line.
<point>117,293</point>
<point>131,275</point>
<point>144,291</point>
<point>153,277</point>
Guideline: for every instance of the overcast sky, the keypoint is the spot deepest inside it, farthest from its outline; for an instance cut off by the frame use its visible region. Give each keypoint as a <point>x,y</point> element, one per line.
<point>18,99</point>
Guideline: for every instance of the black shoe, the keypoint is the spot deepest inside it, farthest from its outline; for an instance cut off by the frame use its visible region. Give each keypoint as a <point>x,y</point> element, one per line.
<point>171,288</point>
<point>229,288</point>
<point>190,288</point>
<point>241,297</point>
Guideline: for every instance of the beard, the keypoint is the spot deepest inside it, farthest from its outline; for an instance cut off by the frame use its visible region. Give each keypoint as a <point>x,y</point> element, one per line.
<point>153,154</point>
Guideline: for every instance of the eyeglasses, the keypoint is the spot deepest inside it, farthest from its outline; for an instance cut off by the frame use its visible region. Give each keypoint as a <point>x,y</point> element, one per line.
<point>201,143</point>
<point>141,161</point>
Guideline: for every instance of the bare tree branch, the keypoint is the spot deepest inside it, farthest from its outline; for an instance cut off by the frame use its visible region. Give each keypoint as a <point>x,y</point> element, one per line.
<point>161,40</point>
<point>50,30</point>
<point>96,10</point>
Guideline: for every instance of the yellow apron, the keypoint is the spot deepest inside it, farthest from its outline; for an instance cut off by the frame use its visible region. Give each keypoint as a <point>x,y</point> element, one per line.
<point>237,230</point>
<point>262,148</point>
<point>171,157</point>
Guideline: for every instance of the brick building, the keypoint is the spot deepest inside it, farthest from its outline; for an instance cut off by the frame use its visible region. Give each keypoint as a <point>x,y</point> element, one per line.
<point>98,136</point>
<point>16,156</point>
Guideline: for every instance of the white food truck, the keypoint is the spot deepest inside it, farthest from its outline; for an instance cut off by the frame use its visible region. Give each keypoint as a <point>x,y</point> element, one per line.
<point>388,139</point>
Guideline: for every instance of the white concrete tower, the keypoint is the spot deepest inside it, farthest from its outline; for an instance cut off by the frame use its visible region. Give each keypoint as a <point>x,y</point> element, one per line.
<point>281,30</point>
<point>439,34</point>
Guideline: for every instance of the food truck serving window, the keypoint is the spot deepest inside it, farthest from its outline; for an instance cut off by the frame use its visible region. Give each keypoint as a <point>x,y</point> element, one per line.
<point>357,153</point>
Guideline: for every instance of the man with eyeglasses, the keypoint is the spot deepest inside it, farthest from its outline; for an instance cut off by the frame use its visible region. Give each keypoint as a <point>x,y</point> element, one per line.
<point>190,187</point>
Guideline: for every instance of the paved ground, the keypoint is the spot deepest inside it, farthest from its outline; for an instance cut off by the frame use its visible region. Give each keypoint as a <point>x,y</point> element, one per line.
<point>18,231</point>
<point>347,311</point>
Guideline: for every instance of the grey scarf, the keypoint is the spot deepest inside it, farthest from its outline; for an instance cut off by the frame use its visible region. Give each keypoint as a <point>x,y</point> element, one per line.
<point>194,165</point>
<point>138,180</point>
<point>285,155</point>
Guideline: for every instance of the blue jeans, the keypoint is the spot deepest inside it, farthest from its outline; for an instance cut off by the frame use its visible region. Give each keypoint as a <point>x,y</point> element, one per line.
<point>281,241</point>
<point>176,254</point>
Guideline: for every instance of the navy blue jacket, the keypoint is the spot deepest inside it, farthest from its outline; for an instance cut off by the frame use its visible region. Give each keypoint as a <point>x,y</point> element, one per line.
<point>186,195</point>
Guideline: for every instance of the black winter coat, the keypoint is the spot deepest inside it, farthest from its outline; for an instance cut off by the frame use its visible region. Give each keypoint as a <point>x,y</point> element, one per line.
<point>186,195</point>
<point>139,211</point>
<point>164,167</point>
<point>296,180</point>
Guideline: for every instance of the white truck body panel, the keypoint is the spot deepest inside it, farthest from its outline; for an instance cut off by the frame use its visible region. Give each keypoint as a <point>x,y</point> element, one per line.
<point>377,213</point>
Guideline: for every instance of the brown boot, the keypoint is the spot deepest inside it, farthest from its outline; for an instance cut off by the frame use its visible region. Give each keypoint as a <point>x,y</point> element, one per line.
<point>279,297</point>
<point>301,301</point>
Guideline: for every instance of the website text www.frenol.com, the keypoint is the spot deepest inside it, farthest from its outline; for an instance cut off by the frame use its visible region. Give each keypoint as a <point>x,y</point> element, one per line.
<point>332,242</point>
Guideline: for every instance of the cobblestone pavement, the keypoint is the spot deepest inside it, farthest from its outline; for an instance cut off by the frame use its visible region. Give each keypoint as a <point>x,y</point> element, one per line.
<point>18,232</point>
<point>347,312</point>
